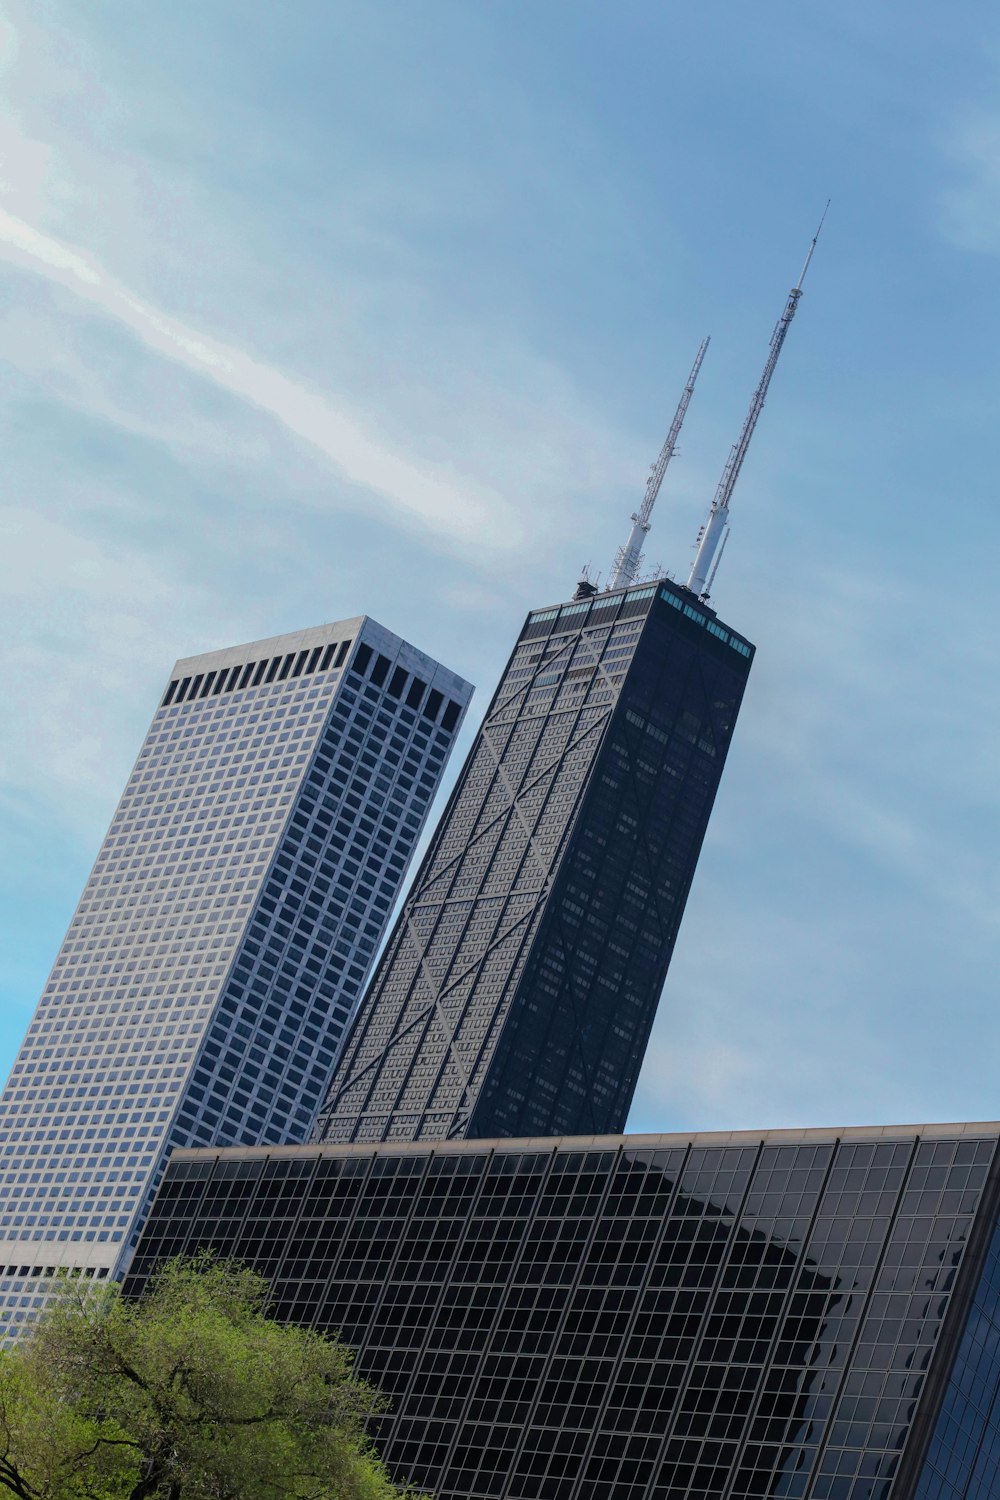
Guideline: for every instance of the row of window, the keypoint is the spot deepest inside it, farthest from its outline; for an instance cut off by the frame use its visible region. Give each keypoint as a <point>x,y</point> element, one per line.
<point>373,665</point>
<point>602,605</point>
<point>253,673</point>
<point>712,626</point>
<point>603,608</point>
<point>24,1272</point>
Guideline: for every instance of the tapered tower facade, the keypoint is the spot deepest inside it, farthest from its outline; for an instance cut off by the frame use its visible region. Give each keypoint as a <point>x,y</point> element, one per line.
<point>517,991</point>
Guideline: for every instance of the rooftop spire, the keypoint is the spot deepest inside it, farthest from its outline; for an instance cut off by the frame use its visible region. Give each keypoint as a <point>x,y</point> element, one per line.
<point>625,568</point>
<point>717,523</point>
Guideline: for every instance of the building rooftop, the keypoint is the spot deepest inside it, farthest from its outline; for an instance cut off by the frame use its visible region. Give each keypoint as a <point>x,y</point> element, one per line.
<point>781,1137</point>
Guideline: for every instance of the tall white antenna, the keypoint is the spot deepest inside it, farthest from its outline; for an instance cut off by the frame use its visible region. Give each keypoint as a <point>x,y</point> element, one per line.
<point>625,568</point>
<point>718,514</point>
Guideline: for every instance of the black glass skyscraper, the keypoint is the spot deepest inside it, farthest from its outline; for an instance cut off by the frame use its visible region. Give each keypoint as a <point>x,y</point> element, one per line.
<point>517,991</point>
<point>810,1315</point>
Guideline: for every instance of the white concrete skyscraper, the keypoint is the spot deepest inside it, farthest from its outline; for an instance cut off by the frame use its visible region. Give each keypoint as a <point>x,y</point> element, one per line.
<point>224,934</point>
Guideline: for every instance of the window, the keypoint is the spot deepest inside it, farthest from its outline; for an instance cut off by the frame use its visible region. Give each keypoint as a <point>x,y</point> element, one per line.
<point>451,715</point>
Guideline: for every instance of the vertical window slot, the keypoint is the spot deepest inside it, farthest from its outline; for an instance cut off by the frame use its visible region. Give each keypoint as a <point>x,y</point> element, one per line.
<point>451,714</point>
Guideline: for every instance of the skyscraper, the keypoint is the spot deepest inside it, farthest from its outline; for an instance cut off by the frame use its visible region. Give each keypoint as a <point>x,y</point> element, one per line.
<point>804,1314</point>
<point>517,991</point>
<point>224,933</point>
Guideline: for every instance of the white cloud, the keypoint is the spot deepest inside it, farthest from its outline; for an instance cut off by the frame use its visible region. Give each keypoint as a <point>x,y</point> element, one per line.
<point>454,510</point>
<point>475,399</point>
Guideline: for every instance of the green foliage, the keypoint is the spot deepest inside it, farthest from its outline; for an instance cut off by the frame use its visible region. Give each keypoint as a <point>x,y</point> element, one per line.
<point>191,1394</point>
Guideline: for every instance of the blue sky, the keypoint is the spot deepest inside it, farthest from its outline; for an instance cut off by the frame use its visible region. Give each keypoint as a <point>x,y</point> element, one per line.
<point>321,309</point>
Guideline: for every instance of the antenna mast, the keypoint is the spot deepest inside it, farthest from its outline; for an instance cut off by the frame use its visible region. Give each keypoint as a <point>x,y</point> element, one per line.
<point>702,571</point>
<point>625,568</point>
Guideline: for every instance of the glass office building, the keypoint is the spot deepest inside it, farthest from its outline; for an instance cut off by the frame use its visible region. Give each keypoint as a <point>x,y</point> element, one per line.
<point>517,991</point>
<point>224,934</point>
<point>808,1314</point>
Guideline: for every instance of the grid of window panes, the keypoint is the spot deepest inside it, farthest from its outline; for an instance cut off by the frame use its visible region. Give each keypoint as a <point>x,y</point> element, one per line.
<point>963,1460</point>
<point>222,937</point>
<point>516,993</point>
<point>568,1058</point>
<point>646,1318</point>
<point>266,1060</point>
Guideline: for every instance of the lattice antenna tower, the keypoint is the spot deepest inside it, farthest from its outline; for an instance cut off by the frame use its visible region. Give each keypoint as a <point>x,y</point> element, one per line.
<point>628,559</point>
<point>716,527</point>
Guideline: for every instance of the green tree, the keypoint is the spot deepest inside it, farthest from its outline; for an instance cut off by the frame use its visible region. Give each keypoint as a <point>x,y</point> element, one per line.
<point>191,1394</point>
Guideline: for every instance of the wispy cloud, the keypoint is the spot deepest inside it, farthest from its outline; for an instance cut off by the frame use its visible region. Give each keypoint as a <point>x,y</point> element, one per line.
<point>972,203</point>
<point>81,617</point>
<point>857,749</point>
<point>455,510</point>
